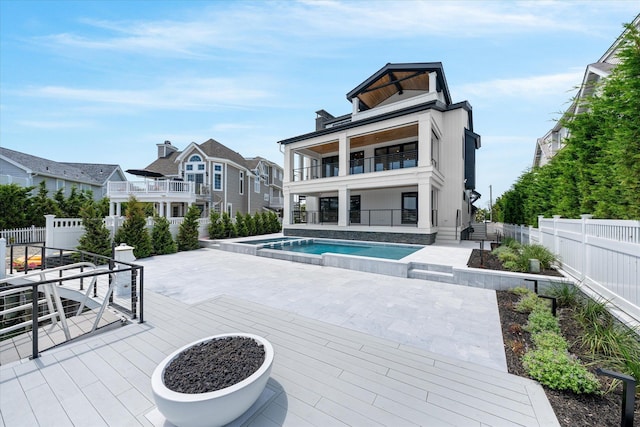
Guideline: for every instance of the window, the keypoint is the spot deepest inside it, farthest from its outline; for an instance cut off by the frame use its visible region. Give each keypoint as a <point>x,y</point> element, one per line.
<point>328,209</point>
<point>59,184</point>
<point>357,163</point>
<point>217,177</point>
<point>195,158</point>
<point>354,210</point>
<point>396,156</point>
<point>256,184</point>
<point>189,167</point>
<point>329,166</point>
<point>241,183</point>
<point>435,150</point>
<point>229,208</point>
<point>410,208</point>
<point>434,207</point>
<point>201,167</point>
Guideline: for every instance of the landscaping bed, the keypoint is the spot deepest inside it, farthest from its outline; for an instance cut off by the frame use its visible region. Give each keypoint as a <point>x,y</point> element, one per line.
<point>570,408</point>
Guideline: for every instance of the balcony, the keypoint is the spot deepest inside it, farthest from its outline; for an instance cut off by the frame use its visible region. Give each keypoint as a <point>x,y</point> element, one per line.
<point>364,217</point>
<point>151,190</point>
<point>276,202</point>
<point>407,159</point>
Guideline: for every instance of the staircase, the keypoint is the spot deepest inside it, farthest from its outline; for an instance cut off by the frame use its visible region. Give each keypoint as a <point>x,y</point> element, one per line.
<point>433,272</point>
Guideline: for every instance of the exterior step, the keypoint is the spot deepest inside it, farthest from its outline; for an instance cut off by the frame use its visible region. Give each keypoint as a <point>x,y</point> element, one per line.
<point>435,276</point>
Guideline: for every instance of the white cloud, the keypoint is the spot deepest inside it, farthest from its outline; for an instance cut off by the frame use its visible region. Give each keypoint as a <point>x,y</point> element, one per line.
<point>524,87</point>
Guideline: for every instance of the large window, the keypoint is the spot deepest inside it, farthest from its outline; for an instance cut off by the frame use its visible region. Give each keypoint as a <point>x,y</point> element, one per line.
<point>329,166</point>
<point>354,210</point>
<point>435,150</point>
<point>396,156</point>
<point>357,163</point>
<point>410,208</point>
<point>256,184</point>
<point>328,209</point>
<point>217,177</point>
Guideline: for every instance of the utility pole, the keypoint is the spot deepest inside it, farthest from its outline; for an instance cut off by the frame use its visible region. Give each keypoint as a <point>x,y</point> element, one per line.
<point>490,205</point>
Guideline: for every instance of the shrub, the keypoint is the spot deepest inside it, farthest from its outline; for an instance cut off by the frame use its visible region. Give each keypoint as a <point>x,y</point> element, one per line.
<point>528,303</point>
<point>134,230</point>
<point>96,238</point>
<point>251,224</point>
<point>550,340</point>
<point>566,294</point>
<point>226,225</point>
<point>161,238</point>
<point>558,370</point>
<point>259,225</point>
<point>542,320</point>
<point>215,227</point>
<point>187,239</point>
<point>540,253</point>
<point>241,227</point>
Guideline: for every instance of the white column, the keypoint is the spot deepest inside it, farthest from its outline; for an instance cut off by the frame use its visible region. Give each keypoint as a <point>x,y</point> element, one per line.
<point>112,208</point>
<point>586,259</point>
<point>118,209</point>
<point>343,155</point>
<point>3,255</point>
<point>49,239</point>
<point>433,84</point>
<point>424,206</point>
<point>288,203</point>
<point>424,140</point>
<point>344,204</point>
<point>289,164</point>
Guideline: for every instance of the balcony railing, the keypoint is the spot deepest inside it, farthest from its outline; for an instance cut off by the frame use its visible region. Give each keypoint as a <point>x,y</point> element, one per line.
<point>119,188</point>
<point>365,217</point>
<point>276,202</point>
<point>407,159</point>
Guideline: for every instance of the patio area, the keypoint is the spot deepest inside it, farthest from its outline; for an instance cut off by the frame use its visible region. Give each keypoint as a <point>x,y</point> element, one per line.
<point>351,348</point>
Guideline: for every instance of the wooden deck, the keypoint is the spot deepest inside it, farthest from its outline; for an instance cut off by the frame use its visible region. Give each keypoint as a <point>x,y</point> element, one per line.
<point>323,375</point>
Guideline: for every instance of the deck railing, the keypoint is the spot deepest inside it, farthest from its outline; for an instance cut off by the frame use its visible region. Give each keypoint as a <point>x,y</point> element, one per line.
<point>363,217</point>
<point>408,159</point>
<point>31,234</point>
<point>150,187</point>
<point>63,286</point>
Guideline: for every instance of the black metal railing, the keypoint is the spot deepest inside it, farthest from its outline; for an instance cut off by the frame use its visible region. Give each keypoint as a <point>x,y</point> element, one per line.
<point>407,159</point>
<point>109,283</point>
<point>365,217</point>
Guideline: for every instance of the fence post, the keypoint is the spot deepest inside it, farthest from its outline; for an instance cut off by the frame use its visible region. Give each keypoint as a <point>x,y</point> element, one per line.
<point>556,238</point>
<point>583,241</point>
<point>3,256</point>
<point>49,239</point>
<point>540,234</point>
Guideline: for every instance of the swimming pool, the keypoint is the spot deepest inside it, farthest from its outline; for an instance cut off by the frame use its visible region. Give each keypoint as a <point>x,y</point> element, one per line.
<point>366,249</point>
<point>274,239</point>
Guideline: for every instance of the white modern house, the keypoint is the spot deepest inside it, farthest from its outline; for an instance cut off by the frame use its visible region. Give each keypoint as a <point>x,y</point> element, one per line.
<point>553,141</point>
<point>27,170</point>
<point>399,168</point>
<point>209,175</point>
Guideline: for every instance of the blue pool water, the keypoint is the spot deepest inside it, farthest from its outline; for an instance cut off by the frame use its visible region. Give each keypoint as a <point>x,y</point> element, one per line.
<point>372,250</point>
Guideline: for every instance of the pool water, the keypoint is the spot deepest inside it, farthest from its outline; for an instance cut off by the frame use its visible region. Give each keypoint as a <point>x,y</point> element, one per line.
<point>368,250</point>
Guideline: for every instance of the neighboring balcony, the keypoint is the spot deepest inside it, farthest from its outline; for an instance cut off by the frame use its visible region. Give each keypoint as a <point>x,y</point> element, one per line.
<point>407,159</point>
<point>152,190</point>
<point>276,202</point>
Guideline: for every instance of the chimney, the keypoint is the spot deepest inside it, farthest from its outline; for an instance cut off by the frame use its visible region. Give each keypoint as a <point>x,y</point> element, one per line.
<point>165,149</point>
<point>321,118</point>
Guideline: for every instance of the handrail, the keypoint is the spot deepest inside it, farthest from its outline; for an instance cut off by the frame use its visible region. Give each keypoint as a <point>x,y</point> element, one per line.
<point>47,280</point>
<point>361,217</point>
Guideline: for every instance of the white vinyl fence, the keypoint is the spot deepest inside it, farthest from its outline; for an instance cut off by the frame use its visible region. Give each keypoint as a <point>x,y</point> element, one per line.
<point>602,254</point>
<point>65,233</point>
<point>31,234</point>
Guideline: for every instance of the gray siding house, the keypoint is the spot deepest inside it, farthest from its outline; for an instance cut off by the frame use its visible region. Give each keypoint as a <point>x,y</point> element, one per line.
<point>27,170</point>
<point>209,175</point>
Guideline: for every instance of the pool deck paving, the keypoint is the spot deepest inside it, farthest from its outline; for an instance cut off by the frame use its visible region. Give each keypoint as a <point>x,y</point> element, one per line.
<point>351,348</point>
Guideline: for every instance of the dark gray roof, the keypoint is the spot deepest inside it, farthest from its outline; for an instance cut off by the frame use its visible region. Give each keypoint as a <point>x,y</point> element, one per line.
<point>46,167</point>
<point>165,165</point>
<point>96,171</point>
<point>213,148</point>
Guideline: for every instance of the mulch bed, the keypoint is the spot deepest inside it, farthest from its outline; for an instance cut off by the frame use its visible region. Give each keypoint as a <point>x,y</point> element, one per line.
<point>486,260</point>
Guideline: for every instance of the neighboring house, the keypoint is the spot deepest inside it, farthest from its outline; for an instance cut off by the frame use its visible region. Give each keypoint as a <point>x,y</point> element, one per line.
<point>209,175</point>
<point>553,141</point>
<point>27,170</point>
<point>399,168</point>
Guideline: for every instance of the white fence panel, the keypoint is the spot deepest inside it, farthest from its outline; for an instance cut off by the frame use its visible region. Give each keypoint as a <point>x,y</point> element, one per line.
<point>31,234</point>
<point>603,254</point>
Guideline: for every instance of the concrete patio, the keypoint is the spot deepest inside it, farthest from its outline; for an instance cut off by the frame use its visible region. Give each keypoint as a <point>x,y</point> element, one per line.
<point>351,348</point>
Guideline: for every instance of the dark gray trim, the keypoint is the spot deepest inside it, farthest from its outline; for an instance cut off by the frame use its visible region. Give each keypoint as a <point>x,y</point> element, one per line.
<point>416,66</point>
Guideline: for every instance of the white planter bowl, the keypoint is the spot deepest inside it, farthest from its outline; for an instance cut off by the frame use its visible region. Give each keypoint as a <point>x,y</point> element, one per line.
<point>215,408</point>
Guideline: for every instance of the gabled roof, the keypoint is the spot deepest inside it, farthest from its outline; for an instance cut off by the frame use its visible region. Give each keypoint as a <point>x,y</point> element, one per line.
<point>396,78</point>
<point>213,148</point>
<point>98,172</point>
<point>167,166</point>
<point>41,166</point>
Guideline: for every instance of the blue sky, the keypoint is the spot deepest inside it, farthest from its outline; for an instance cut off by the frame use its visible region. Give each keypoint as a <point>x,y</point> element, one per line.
<point>105,81</point>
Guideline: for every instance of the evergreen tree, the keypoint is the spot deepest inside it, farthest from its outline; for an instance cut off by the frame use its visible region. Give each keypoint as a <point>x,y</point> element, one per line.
<point>241,227</point>
<point>14,204</point>
<point>187,239</point>
<point>161,238</point>
<point>42,205</point>
<point>96,238</point>
<point>134,230</point>
<point>251,224</point>
<point>257,218</point>
<point>226,225</point>
<point>276,227</point>
<point>215,226</point>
